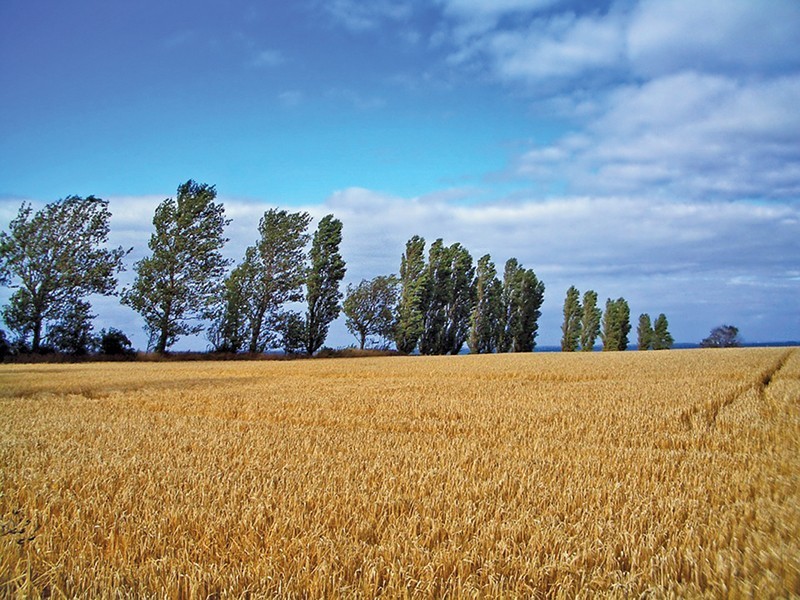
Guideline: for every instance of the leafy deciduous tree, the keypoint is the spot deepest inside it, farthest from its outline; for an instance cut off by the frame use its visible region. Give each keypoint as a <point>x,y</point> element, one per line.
<point>590,321</point>
<point>322,283</point>
<point>486,327</point>
<point>616,325</point>
<point>413,283</point>
<point>272,274</point>
<point>448,299</point>
<point>72,333</point>
<point>571,327</point>
<point>370,308</point>
<point>662,339</point>
<point>114,342</point>
<point>644,332</point>
<point>178,283</point>
<point>55,258</point>
<point>523,295</point>
<point>724,336</point>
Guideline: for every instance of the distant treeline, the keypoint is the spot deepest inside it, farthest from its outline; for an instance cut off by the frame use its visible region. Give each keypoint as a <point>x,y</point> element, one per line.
<point>57,257</point>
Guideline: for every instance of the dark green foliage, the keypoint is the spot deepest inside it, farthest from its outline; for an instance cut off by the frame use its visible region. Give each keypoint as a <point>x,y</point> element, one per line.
<point>291,328</point>
<point>370,308</point>
<point>5,346</point>
<point>448,299</point>
<point>662,339</point>
<point>250,314</point>
<point>229,329</point>
<point>177,285</point>
<point>616,325</point>
<point>72,333</point>
<point>590,321</point>
<point>56,258</point>
<point>724,336</point>
<point>523,295</point>
<point>413,284</point>
<point>571,327</point>
<point>486,321</point>
<point>114,342</point>
<point>644,332</point>
<point>322,283</point>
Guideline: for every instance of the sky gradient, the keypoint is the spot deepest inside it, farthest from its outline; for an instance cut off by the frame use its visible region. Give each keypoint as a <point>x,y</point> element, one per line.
<point>645,149</point>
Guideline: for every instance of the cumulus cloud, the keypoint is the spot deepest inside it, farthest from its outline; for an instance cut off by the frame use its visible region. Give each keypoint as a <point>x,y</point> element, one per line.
<point>665,36</point>
<point>686,134</point>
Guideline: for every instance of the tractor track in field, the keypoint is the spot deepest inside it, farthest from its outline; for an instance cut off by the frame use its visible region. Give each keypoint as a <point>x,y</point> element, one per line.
<point>708,413</point>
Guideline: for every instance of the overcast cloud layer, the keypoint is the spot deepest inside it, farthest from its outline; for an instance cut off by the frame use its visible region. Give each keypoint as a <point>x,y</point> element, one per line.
<point>645,149</point>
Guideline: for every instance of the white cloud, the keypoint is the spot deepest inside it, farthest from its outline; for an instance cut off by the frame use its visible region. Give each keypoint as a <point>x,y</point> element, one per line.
<point>268,58</point>
<point>665,36</point>
<point>686,134</point>
<point>560,47</point>
<point>688,259</point>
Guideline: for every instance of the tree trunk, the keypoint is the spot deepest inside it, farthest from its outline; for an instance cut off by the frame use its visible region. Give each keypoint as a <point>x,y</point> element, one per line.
<point>161,347</point>
<point>255,333</point>
<point>363,340</point>
<point>37,334</point>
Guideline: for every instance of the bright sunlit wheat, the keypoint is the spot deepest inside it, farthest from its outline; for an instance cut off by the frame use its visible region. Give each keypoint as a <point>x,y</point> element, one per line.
<point>538,475</point>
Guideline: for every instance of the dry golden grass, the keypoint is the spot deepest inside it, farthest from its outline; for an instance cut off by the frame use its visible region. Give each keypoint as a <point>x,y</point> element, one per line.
<point>546,475</point>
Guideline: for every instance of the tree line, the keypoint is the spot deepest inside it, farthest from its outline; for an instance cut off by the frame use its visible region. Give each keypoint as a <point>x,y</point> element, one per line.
<point>441,300</point>
<point>584,322</point>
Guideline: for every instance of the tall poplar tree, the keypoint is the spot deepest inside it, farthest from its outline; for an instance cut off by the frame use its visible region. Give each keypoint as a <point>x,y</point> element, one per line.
<point>644,333</point>
<point>448,299</point>
<point>616,325</point>
<point>322,283</point>
<point>486,318</point>
<point>590,321</point>
<point>523,295</point>
<point>177,285</point>
<point>571,327</point>
<point>413,284</point>
<point>662,339</point>
<point>55,258</point>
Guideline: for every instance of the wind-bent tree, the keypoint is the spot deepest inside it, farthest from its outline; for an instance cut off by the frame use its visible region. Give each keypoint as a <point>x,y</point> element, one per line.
<point>662,339</point>
<point>616,325</point>
<point>644,333</point>
<point>486,329</point>
<point>272,274</point>
<point>449,299</point>
<point>571,327</point>
<point>230,328</point>
<point>370,308</point>
<point>55,258</point>
<point>176,286</point>
<point>413,284</point>
<point>724,336</point>
<point>590,321</point>
<point>523,295</point>
<point>322,283</point>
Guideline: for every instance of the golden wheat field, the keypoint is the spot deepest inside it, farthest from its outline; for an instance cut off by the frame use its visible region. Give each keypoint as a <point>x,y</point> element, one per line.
<point>533,476</point>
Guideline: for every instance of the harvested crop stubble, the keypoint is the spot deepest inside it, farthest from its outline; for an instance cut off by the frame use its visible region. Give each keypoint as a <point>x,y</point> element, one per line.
<point>535,475</point>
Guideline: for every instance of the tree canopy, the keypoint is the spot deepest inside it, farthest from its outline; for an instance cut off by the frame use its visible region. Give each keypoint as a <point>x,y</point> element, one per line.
<point>370,308</point>
<point>176,286</point>
<point>55,258</point>
<point>723,336</point>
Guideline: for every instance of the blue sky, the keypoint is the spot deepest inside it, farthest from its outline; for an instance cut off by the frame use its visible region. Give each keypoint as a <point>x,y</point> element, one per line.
<point>641,148</point>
